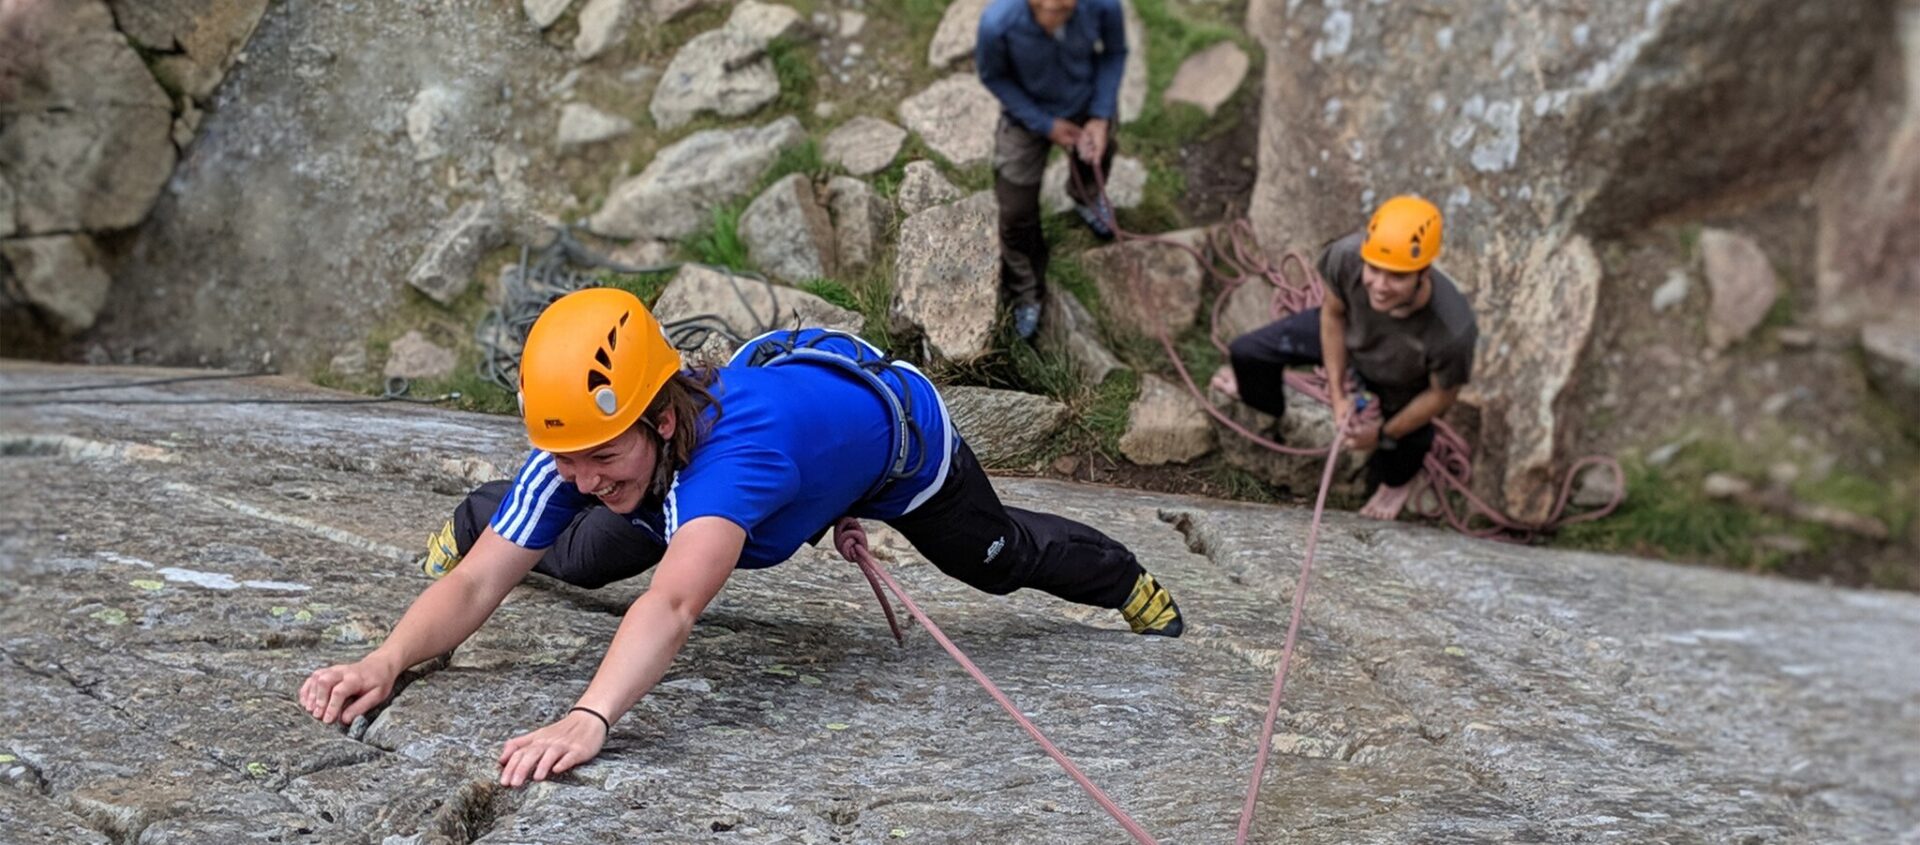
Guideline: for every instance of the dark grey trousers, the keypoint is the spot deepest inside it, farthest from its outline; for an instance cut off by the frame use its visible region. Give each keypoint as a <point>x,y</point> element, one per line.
<point>1019,162</point>
<point>964,530</point>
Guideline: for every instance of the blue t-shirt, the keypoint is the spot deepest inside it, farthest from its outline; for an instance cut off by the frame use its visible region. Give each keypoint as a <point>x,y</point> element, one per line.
<point>790,448</point>
<point>1039,77</point>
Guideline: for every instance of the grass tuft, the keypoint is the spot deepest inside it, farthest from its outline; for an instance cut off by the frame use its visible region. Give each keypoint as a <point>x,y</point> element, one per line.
<point>720,244</point>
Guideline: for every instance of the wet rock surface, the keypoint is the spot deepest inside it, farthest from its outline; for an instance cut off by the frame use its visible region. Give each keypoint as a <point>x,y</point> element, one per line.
<point>1445,689</point>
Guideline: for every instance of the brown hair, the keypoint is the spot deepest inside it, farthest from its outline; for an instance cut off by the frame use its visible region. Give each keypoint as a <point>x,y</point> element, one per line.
<point>688,395</point>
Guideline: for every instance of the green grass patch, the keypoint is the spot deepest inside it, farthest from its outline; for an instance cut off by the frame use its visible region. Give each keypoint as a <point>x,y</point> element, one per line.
<point>720,244</point>
<point>833,292</point>
<point>803,158</point>
<point>1666,515</point>
<point>795,67</point>
<point>646,286</point>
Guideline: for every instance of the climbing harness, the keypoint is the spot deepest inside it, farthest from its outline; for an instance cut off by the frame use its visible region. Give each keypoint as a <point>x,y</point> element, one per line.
<point>866,364</point>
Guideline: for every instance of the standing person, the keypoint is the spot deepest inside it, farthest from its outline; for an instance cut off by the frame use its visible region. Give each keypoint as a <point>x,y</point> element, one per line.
<point>1055,65</point>
<point>1403,324</point>
<point>703,472</point>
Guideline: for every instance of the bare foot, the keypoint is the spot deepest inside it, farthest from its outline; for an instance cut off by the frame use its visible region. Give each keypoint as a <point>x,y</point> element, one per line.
<point>1387,502</point>
<point>1224,382</point>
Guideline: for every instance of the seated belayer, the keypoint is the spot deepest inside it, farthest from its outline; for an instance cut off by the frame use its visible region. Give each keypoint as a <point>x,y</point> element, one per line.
<point>1403,324</point>
<point>639,462</point>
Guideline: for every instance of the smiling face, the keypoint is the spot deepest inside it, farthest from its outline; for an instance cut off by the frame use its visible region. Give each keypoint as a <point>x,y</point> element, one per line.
<point>619,471</point>
<point>1390,293</point>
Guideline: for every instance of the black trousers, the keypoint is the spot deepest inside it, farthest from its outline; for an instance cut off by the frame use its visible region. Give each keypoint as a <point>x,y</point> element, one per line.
<point>1019,162</point>
<point>1260,358</point>
<point>963,530</point>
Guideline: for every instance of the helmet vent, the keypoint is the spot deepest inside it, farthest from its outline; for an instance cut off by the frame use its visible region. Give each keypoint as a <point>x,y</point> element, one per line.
<point>624,316</point>
<point>601,356</point>
<point>613,338</point>
<point>597,379</point>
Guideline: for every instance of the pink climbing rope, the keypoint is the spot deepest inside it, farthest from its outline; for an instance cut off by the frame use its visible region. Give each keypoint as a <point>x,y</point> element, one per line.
<point>851,541</point>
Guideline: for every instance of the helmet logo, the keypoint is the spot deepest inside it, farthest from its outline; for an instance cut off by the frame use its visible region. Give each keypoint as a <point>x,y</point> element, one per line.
<point>553,423</point>
<point>606,401</point>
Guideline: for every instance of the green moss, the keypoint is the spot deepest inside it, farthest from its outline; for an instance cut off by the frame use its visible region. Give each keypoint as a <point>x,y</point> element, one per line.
<point>646,286</point>
<point>833,292</point>
<point>794,66</point>
<point>720,244</point>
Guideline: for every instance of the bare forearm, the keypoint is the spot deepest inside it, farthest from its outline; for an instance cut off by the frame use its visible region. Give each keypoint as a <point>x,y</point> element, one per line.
<point>452,608</point>
<point>1425,408</point>
<point>1333,350</point>
<point>652,633</point>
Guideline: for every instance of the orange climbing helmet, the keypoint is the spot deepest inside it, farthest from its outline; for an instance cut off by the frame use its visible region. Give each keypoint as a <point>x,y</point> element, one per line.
<point>592,363</point>
<point>1403,236</point>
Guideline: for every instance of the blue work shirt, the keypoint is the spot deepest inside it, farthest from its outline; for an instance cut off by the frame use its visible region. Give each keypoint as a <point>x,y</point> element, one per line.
<point>1040,78</point>
<point>791,448</point>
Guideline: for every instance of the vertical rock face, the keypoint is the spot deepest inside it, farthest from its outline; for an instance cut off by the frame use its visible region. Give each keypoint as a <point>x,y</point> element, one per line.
<point>788,233</point>
<point>947,276</point>
<point>1530,128</point>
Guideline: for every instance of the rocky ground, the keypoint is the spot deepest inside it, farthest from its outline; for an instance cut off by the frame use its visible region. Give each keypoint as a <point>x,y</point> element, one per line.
<point>174,570</point>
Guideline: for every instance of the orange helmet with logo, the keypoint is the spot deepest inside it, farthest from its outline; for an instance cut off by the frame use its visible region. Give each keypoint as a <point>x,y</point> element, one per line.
<point>592,363</point>
<point>1403,236</point>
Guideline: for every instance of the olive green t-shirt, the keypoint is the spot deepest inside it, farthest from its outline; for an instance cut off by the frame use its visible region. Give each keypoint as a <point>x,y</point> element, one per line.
<point>1400,357</point>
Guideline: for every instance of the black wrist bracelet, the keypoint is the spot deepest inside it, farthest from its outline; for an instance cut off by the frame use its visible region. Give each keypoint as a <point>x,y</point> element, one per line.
<point>595,714</point>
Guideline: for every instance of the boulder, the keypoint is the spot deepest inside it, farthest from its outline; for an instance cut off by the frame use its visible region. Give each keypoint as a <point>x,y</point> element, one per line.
<point>762,23</point>
<point>947,276</point>
<point>1530,132</point>
<point>1150,287</point>
<point>1004,427</point>
<point>1208,78</point>
<point>860,220</point>
<point>959,29</point>
<point>1741,283</point>
<point>446,267</point>
<point>412,356</point>
<point>863,145</point>
<point>431,119</point>
<point>676,194</point>
<point>1125,185</point>
<point>666,11</point>
<point>194,42</point>
<point>723,71</point>
<point>1307,424</point>
<point>1133,78</point>
<point>1893,362</point>
<point>1165,425</point>
<point>788,234</point>
<point>581,124</point>
<point>922,187</point>
<point>87,136</point>
<point>956,117</point>
<point>1866,262</point>
<point>748,307</point>
<point>544,13</point>
<point>1069,330</point>
<point>1249,306</point>
<point>60,277</point>
<point>603,23</point>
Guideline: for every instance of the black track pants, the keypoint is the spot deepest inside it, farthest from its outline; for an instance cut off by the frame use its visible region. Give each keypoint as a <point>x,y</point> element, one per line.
<point>963,530</point>
<point>1260,358</point>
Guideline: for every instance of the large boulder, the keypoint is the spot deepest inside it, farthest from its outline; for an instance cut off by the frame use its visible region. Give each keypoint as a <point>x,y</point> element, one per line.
<point>748,307</point>
<point>86,137</point>
<point>60,277</point>
<point>1004,427</point>
<point>677,192</point>
<point>1741,282</point>
<point>956,117</point>
<point>860,220</point>
<point>863,145</point>
<point>603,24</point>
<point>788,233</point>
<point>922,187</point>
<point>723,71</point>
<point>1150,287</point>
<point>1069,330</point>
<point>193,42</point>
<point>446,267</point>
<point>1165,425</point>
<point>1208,78</point>
<point>947,276</point>
<point>1535,134</point>
<point>1893,361</point>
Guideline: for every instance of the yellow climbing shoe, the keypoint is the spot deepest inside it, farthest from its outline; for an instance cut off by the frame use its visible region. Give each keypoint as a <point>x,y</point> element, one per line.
<point>1150,609</point>
<point>443,554</point>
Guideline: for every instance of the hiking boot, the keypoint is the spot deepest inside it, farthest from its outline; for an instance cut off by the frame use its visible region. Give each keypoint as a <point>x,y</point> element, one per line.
<point>1098,218</point>
<point>1150,609</point>
<point>1026,320</point>
<point>443,554</point>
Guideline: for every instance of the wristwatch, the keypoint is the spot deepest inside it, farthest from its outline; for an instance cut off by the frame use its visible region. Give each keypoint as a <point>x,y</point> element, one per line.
<point>1386,440</point>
